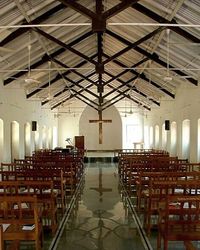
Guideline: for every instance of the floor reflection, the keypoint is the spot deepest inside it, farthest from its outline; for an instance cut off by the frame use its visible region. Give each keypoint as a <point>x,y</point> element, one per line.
<point>102,221</point>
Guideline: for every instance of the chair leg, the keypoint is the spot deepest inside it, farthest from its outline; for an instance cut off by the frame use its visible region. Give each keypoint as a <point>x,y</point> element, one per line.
<point>165,244</point>
<point>159,241</point>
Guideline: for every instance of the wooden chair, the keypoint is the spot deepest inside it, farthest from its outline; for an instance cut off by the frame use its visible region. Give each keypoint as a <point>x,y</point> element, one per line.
<point>179,220</point>
<point>17,213</point>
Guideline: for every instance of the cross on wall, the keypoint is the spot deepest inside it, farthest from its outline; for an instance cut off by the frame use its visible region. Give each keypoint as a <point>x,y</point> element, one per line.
<point>100,121</point>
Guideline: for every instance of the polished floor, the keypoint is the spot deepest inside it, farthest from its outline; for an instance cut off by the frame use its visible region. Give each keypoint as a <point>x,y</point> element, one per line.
<point>102,220</point>
<point>102,217</point>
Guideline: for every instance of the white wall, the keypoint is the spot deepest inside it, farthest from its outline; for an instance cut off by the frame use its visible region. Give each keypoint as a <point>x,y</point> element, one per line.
<point>184,106</point>
<point>112,132</point>
<point>15,107</point>
<point>68,127</point>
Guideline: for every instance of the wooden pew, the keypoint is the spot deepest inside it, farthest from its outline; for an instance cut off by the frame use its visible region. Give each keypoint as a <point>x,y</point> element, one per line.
<point>17,212</point>
<point>179,220</point>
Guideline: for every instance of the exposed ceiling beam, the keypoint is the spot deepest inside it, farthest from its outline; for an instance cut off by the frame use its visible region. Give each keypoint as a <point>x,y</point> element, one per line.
<point>45,57</point>
<point>79,8</point>
<point>132,88</point>
<point>142,9</point>
<point>58,77</point>
<point>134,45</point>
<point>37,20</point>
<point>126,71</point>
<point>69,87</point>
<point>78,85</point>
<point>62,44</point>
<point>111,104</point>
<point>73,71</point>
<point>143,77</point>
<point>118,8</point>
<point>154,57</point>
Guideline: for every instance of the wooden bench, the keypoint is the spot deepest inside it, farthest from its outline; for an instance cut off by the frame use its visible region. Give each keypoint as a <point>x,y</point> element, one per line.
<point>18,212</point>
<point>179,220</point>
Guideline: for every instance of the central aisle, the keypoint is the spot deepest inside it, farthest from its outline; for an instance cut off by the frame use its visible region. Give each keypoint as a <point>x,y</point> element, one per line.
<point>100,220</point>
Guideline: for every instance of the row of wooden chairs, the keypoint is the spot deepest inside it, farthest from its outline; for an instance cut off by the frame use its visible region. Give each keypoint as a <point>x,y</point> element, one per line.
<point>157,179</point>
<point>50,178</point>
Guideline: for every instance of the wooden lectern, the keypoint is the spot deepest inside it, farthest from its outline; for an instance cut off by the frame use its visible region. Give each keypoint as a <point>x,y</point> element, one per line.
<point>79,142</point>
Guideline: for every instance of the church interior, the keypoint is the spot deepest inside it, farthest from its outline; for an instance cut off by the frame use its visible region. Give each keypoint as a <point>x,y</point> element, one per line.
<point>99,124</point>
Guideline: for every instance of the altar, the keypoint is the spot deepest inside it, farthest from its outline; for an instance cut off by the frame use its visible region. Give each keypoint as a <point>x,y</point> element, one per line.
<point>138,145</point>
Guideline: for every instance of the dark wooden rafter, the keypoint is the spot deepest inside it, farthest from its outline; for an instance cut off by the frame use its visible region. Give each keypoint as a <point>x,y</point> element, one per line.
<point>99,19</point>
<point>131,88</point>
<point>66,88</point>
<point>78,92</point>
<point>135,44</point>
<point>118,8</point>
<point>142,9</point>
<point>58,77</point>
<point>147,12</point>
<point>37,20</point>
<point>99,66</point>
<point>127,84</point>
<point>78,85</point>
<point>79,8</point>
<point>124,95</point>
<point>84,97</point>
<point>62,44</point>
<point>113,102</point>
<point>143,77</point>
<point>154,57</point>
<point>78,97</point>
<point>68,98</point>
<point>45,57</point>
<point>126,71</point>
<point>73,71</point>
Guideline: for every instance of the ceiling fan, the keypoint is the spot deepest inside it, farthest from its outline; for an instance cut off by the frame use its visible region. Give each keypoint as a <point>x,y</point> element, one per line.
<point>49,95</point>
<point>169,77</point>
<point>28,79</point>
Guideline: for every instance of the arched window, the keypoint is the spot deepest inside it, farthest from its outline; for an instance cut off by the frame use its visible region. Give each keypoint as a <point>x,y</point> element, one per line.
<point>27,138</point>
<point>36,137</point>
<point>186,139</point>
<point>1,140</point>
<point>198,141</point>
<point>151,137</point>
<point>55,137</point>
<point>49,138</point>
<point>44,137</point>
<point>164,137</point>
<point>173,145</point>
<point>157,137</point>
<point>146,137</point>
<point>14,140</point>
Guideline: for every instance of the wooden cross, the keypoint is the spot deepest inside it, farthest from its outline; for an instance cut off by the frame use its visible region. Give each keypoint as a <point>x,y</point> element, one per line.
<point>100,121</point>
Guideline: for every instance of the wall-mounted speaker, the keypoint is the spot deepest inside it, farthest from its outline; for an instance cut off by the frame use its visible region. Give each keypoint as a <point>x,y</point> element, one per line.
<point>167,124</point>
<point>34,126</point>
